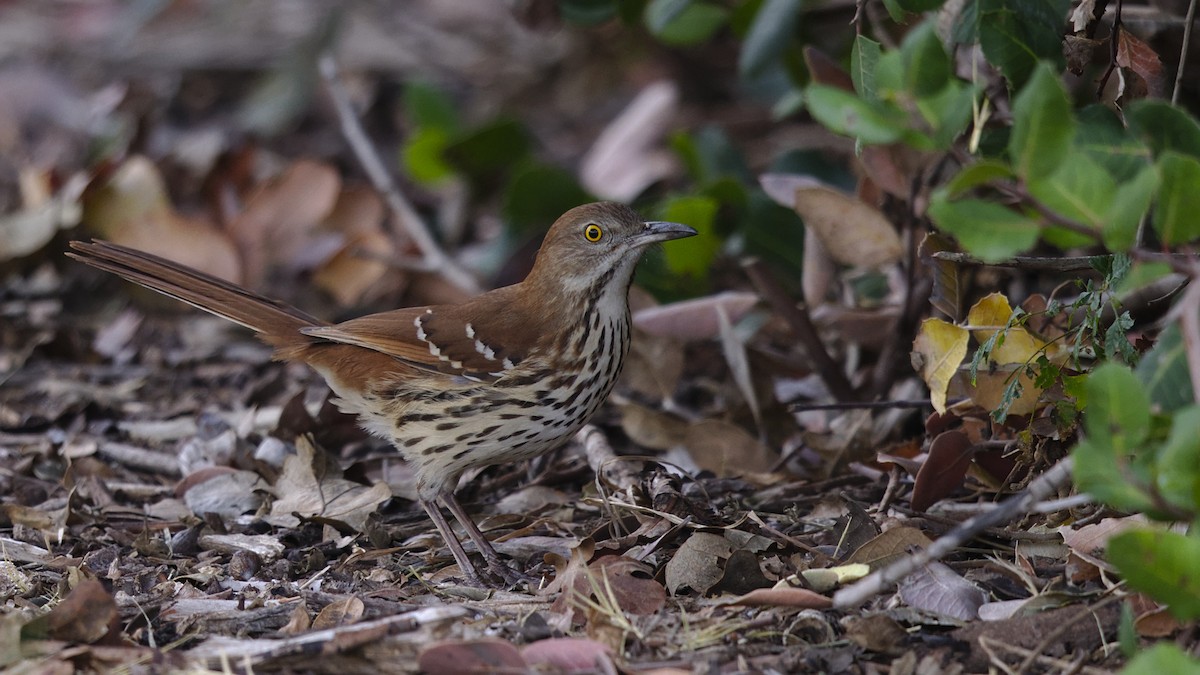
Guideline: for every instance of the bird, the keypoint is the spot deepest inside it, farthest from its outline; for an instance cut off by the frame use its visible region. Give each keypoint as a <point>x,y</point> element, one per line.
<point>505,376</point>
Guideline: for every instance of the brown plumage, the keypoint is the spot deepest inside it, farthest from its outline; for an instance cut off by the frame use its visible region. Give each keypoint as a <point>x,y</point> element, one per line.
<point>508,375</point>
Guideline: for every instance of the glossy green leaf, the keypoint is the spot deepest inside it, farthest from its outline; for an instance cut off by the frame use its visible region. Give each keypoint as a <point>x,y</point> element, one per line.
<point>1017,34</point>
<point>947,112</point>
<point>926,65</point>
<point>769,35</point>
<point>864,60</point>
<point>489,149</point>
<point>1102,473</point>
<point>1081,191</point>
<point>1164,371</point>
<point>1118,408</point>
<point>1160,658</point>
<point>427,107</point>
<point>1103,139</point>
<point>889,74</point>
<point>985,229</point>
<point>1161,564</point>
<point>423,155</point>
<point>1043,126</point>
<point>977,175</point>
<point>1129,205</point>
<point>1164,127</point>
<point>538,194</point>
<point>1177,215</point>
<point>684,22</point>
<point>694,255</point>
<point>1178,465</point>
<point>845,113</point>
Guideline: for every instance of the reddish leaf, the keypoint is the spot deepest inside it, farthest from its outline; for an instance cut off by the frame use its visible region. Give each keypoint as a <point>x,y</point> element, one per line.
<point>87,614</point>
<point>1138,57</point>
<point>943,471</point>
<point>471,656</point>
<point>571,655</point>
<point>784,597</point>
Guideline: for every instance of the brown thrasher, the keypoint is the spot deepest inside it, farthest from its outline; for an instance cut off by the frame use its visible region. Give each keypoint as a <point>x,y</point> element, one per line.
<point>508,375</point>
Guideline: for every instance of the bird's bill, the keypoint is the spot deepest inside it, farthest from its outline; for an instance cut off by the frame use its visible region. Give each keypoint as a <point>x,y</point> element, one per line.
<point>663,231</point>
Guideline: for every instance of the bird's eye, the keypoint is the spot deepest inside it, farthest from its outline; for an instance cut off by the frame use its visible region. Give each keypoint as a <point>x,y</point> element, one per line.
<point>593,233</point>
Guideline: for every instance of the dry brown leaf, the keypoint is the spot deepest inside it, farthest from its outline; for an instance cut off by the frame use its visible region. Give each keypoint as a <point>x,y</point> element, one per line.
<point>698,564</point>
<point>308,486</point>
<point>339,613</point>
<point>454,657</point>
<point>1139,57</point>
<point>726,449</point>
<point>854,232</point>
<point>569,655</point>
<point>783,597</point>
<point>361,261</point>
<point>936,587</point>
<point>888,546</point>
<point>282,214</point>
<point>131,207</point>
<point>86,615</point>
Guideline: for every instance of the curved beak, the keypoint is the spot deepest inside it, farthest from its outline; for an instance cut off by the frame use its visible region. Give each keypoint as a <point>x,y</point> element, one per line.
<point>663,231</point>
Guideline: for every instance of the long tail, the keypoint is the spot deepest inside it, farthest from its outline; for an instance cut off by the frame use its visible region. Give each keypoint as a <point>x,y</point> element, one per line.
<point>278,324</point>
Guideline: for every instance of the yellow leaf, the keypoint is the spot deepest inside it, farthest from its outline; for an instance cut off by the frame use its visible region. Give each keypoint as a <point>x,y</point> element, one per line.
<point>1020,346</point>
<point>937,352</point>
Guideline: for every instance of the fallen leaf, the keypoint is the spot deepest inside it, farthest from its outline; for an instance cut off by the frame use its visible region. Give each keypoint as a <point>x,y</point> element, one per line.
<point>993,312</point>
<point>938,588</point>
<point>943,470</point>
<point>86,615</point>
<point>625,159</point>
<point>310,486</point>
<point>694,319</point>
<point>131,207</point>
<point>782,597</point>
<point>339,613</point>
<point>697,564</point>
<point>889,546</point>
<point>937,351</point>
<point>453,657</point>
<point>570,655</point>
<point>854,232</point>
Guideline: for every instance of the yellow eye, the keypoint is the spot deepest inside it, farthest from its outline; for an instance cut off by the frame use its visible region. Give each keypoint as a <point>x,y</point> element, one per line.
<point>593,233</point>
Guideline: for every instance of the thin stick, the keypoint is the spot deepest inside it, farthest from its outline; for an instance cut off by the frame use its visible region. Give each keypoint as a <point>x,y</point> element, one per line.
<point>1040,489</point>
<point>855,405</point>
<point>797,317</point>
<point>1183,51</point>
<point>373,166</point>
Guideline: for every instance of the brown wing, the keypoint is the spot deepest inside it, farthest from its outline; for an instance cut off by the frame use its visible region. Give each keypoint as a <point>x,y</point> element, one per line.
<point>449,339</point>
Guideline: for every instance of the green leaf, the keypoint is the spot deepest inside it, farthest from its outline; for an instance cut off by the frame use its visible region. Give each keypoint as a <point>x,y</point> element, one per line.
<point>1164,127</point>
<point>986,229</point>
<point>1081,191</point>
<point>1102,473</point>
<point>1178,465</point>
<point>1159,658</point>
<point>694,257</point>
<point>426,107</point>
<point>587,12</point>
<point>489,149</point>
<point>926,66</point>
<point>537,195</point>
<point>1162,565</point>
<point>709,155</point>
<point>423,156</point>
<point>1016,34</point>
<point>1129,205</point>
<point>1164,371</point>
<point>684,22</point>
<point>978,174</point>
<point>864,59</point>
<point>1118,408</point>
<point>1177,216</point>
<point>769,34</point>
<point>889,75</point>
<point>947,112</point>
<point>1105,140</point>
<point>1042,126</point>
<point>845,113</point>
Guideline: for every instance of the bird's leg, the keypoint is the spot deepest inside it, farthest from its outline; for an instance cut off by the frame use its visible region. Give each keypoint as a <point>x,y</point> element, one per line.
<point>495,563</point>
<point>456,547</point>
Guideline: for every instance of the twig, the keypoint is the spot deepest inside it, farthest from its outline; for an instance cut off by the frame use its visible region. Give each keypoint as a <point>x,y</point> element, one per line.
<point>1040,489</point>
<point>1025,262</point>
<point>376,171</point>
<point>854,405</point>
<point>797,317</point>
<point>1183,51</point>
<point>1114,39</point>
